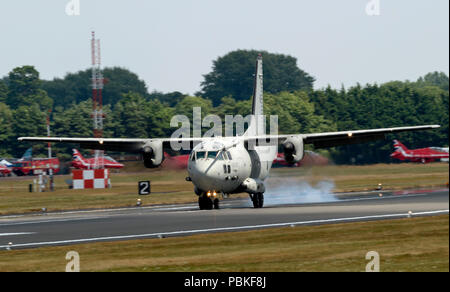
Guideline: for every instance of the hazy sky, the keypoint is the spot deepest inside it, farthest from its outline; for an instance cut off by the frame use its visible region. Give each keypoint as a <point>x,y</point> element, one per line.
<point>170,44</point>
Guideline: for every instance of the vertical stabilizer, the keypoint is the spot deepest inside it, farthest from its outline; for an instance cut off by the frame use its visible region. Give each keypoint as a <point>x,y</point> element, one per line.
<point>257,126</point>
<point>398,144</point>
<point>28,155</point>
<point>77,155</point>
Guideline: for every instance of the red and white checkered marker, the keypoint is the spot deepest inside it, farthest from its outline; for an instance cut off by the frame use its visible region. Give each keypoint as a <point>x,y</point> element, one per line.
<point>90,179</point>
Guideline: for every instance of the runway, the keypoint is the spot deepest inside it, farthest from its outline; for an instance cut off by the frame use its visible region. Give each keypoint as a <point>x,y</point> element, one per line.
<point>76,227</point>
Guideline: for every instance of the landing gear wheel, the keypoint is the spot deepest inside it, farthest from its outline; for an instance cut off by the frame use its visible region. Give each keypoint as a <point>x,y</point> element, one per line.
<point>216,204</point>
<point>201,203</point>
<point>258,200</point>
<point>205,203</point>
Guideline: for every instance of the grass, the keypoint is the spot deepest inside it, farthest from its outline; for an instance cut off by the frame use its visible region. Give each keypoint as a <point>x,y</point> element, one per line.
<point>170,187</point>
<point>414,244</point>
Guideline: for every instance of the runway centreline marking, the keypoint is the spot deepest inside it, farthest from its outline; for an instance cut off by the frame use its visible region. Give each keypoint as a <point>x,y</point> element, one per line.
<point>223,229</point>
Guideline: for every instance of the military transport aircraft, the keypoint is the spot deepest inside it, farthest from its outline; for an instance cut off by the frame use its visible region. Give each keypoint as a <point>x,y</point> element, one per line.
<point>227,165</point>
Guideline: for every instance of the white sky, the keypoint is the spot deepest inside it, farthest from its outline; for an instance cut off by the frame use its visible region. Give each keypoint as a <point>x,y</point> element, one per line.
<point>170,44</point>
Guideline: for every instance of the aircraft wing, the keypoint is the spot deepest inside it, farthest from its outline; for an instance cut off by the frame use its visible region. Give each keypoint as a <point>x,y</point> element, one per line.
<point>319,140</point>
<point>332,139</point>
<point>119,145</point>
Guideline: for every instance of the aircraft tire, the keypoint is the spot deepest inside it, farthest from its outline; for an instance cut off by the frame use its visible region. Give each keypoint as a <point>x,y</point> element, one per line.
<point>258,200</point>
<point>205,203</point>
<point>216,204</point>
<point>201,202</point>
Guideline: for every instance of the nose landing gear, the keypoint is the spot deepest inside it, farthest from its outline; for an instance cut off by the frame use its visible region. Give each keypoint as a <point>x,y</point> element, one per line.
<point>208,202</point>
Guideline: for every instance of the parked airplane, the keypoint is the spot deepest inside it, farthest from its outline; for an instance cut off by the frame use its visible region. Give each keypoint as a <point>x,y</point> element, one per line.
<point>4,170</point>
<point>236,164</point>
<point>423,155</point>
<point>79,162</point>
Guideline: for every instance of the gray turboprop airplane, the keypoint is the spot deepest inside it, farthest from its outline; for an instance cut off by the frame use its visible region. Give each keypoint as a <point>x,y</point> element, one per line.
<point>228,165</point>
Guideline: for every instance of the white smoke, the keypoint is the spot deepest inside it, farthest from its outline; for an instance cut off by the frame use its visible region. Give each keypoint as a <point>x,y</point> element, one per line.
<point>299,192</point>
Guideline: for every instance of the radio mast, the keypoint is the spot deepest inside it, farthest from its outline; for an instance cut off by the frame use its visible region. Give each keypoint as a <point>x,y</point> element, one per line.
<point>97,99</point>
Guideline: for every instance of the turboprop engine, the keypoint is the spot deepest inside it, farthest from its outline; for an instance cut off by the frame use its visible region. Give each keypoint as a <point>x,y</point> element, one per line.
<point>153,154</point>
<point>293,149</point>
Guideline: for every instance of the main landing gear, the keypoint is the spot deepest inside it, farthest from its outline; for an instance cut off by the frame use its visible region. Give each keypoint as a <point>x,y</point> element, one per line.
<point>258,200</point>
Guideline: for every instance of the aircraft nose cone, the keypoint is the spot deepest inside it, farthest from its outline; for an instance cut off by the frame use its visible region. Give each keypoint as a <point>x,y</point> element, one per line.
<point>204,174</point>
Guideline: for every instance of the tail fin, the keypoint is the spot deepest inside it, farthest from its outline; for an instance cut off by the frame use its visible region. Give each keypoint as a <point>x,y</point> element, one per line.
<point>77,155</point>
<point>398,144</point>
<point>28,154</point>
<point>257,126</point>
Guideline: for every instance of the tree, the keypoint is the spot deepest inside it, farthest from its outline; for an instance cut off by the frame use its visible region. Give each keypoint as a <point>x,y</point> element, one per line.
<point>28,121</point>
<point>6,129</point>
<point>439,79</point>
<point>77,87</point>
<point>130,116</point>
<point>233,75</point>
<point>3,91</point>
<point>392,104</point>
<point>25,89</point>
<point>171,98</point>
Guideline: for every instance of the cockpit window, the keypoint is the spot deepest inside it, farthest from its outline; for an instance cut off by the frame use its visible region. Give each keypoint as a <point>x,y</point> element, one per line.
<point>201,154</point>
<point>229,155</point>
<point>192,156</point>
<point>212,154</point>
<point>220,157</point>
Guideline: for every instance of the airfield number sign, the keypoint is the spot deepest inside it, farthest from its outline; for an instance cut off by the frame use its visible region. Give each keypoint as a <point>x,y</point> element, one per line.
<point>144,188</point>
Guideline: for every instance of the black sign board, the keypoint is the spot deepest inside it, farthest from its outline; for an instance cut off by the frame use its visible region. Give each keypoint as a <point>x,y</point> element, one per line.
<point>144,188</point>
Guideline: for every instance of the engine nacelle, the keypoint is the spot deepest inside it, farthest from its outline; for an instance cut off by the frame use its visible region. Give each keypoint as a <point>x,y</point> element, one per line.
<point>153,154</point>
<point>253,186</point>
<point>293,149</point>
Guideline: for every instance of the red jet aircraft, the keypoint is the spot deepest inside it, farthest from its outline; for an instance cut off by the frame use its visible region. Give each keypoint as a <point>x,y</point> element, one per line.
<point>80,162</point>
<point>4,171</point>
<point>424,155</point>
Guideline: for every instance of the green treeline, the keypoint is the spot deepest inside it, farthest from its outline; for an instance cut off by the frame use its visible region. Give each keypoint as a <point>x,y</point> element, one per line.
<point>134,112</point>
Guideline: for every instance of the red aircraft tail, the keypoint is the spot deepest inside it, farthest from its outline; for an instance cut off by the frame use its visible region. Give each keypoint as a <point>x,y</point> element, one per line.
<point>77,156</point>
<point>398,144</point>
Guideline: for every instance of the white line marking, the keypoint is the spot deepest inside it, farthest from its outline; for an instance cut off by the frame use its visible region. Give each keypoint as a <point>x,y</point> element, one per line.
<point>185,232</point>
<point>15,234</point>
<point>50,221</point>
